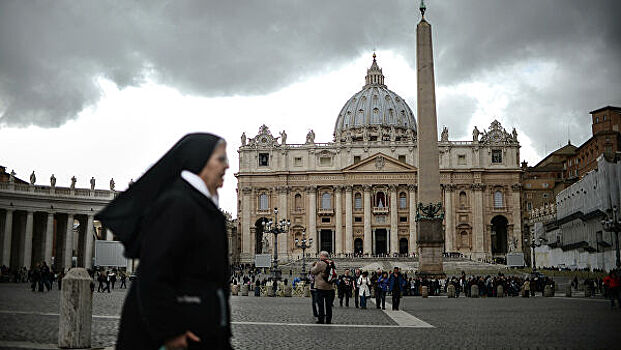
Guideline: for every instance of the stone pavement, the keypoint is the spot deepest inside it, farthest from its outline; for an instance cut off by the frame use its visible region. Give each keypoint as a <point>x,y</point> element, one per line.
<point>30,321</point>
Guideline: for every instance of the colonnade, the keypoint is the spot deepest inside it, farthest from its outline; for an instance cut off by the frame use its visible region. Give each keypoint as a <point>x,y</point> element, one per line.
<point>30,237</point>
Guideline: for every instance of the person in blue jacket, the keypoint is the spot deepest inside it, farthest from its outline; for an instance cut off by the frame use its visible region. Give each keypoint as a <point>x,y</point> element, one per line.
<point>384,286</point>
<point>397,284</point>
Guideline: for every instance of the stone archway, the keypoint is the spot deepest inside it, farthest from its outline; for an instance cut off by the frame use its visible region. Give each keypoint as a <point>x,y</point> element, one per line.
<point>499,235</point>
<point>358,246</point>
<point>258,235</point>
<point>403,246</point>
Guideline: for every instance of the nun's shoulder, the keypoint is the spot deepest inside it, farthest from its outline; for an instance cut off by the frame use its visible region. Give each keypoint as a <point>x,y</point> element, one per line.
<point>175,198</point>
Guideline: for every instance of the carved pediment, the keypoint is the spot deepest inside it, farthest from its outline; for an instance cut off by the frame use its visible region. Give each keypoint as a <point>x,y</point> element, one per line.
<point>379,162</point>
<point>264,138</point>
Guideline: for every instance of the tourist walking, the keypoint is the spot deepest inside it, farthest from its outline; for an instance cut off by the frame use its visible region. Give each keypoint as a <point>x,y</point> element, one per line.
<point>364,289</point>
<point>346,283</point>
<point>397,284</point>
<point>313,291</point>
<point>383,287</point>
<point>325,289</point>
<point>170,220</point>
<point>123,280</point>
<point>612,283</point>
<point>355,288</point>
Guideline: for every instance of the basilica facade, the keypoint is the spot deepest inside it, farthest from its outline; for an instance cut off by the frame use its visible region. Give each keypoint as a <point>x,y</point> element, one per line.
<point>357,195</point>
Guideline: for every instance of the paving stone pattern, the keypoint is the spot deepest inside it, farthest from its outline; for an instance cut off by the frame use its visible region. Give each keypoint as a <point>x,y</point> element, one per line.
<point>542,323</point>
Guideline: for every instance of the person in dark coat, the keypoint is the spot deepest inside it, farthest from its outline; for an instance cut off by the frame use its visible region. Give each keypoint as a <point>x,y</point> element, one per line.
<point>170,220</point>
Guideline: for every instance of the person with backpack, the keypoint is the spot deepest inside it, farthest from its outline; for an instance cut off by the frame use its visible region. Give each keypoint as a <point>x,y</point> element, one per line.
<point>364,290</point>
<point>324,271</point>
<point>346,283</point>
<point>383,286</point>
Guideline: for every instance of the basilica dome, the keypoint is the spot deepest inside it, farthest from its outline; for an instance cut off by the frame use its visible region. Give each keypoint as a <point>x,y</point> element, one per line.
<point>375,113</point>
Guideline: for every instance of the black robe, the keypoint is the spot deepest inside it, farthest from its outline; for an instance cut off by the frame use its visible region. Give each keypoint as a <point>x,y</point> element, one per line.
<point>182,278</point>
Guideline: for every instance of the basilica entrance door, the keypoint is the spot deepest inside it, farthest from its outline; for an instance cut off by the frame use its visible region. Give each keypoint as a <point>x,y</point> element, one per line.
<point>403,246</point>
<point>381,241</point>
<point>326,240</point>
<point>358,246</point>
<point>499,235</point>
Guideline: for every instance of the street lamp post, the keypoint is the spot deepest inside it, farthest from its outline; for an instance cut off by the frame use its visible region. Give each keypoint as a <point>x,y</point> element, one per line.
<point>612,224</point>
<point>276,227</point>
<point>303,244</point>
<point>532,243</point>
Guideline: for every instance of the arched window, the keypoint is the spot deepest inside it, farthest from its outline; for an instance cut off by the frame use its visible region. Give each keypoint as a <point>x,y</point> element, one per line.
<point>298,201</point>
<point>403,200</point>
<point>358,201</point>
<point>263,202</point>
<point>380,200</point>
<point>463,199</point>
<point>497,199</point>
<point>326,201</point>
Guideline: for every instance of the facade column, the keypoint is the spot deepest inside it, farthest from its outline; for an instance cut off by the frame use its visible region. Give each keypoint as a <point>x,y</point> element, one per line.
<point>367,246</point>
<point>283,209</point>
<point>517,217</point>
<point>394,231</point>
<point>449,238</point>
<point>479,230</point>
<point>246,237</point>
<point>312,217</point>
<point>27,253</point>
<point>69,242</point>
<point>349,232</point>
<point>48,243</point>
<point>338,220</point>
<point>89,244</point>
<point>6,240</point>
<point>412,218</point>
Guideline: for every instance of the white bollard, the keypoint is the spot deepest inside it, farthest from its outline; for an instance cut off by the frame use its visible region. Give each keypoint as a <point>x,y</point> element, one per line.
<point>76,310</point>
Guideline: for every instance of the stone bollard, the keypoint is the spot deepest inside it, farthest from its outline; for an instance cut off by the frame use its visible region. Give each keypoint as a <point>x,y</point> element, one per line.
<point>270,291</point>
<point>425,292</point>
<point>474,291</point>
<point>548,291</point>
<point>244,290</point>
<point>76,310</point>
<point>307,292</point>
<point>288,291</point>
<point>568,291</point>
<point>450,291</point>
<point>500,292</point>
<point>235,289</point>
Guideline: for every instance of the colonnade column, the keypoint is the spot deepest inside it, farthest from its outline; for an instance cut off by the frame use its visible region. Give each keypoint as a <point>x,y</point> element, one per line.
<point>69,242</point>
<point>89,242</point>
<point>412,218</point>
<point>6,242</point>
<point>246,210</point>
<point>449,232</point>
<point>349,232</point>
<point>283,242</point>
<point>312,216</point>
<point>338,220</point>
<point>478,230</point>
<point>517,217</point>
<point>367,220</point>
<point>394,241</point>
<point>27,253</point>
<point>48,243</point>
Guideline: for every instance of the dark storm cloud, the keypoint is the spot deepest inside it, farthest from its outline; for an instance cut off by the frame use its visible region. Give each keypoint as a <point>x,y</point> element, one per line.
<point>52,52</point>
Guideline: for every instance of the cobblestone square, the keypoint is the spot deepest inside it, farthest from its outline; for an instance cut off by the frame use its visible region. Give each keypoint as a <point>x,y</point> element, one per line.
<point>30,321</point>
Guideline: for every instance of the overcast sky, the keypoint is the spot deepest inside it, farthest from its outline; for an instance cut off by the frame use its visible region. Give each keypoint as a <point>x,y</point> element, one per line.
<point>104,88</point>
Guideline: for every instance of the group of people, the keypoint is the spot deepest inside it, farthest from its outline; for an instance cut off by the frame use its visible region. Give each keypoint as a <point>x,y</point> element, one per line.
<point>40,276</point>
<point>106,279</point>
<point>357,286</point>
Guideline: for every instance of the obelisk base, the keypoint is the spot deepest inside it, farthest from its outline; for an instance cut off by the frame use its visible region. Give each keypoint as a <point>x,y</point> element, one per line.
<point>430,248</point>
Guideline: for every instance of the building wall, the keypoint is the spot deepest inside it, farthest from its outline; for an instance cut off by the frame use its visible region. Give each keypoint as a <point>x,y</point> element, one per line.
<point>312,169</point>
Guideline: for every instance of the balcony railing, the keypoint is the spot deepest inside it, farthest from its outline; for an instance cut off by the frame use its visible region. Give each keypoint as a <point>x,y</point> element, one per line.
<point>380,210</point>
<point>323,211</point>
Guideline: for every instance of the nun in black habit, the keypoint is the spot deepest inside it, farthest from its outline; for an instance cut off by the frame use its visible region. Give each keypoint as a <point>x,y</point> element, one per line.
<point>170,220</point>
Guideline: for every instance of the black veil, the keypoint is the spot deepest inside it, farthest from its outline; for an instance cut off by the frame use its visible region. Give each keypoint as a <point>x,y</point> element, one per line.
<point>125,213</point>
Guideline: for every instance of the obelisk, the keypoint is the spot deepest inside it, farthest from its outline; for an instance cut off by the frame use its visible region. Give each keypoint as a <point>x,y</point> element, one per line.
<point>429,211</point>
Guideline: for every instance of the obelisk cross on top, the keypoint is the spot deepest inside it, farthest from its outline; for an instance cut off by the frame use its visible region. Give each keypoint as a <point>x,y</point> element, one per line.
<point>429,211</point>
